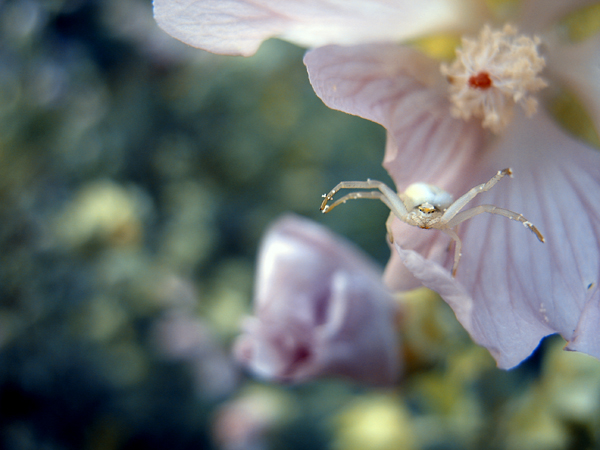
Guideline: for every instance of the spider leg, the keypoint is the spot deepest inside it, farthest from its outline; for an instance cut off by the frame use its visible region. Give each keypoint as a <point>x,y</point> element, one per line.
<point>354,195</point>
<point>465,215</point>
<point>455,229</point>
<point>457,248</point>
<point>385,194</point>
<point>459,204</point>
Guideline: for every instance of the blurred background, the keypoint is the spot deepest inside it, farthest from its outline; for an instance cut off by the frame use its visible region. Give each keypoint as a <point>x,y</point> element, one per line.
<point>137,176</point>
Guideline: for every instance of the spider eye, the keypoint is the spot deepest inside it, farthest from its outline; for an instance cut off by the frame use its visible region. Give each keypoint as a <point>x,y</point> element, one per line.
<point>426,208</point>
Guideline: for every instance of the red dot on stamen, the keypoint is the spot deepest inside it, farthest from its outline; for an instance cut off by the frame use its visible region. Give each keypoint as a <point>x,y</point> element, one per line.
<point>480,81</point>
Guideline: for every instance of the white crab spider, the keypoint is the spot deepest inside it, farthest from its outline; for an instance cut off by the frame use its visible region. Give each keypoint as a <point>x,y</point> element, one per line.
<point>427,206</point>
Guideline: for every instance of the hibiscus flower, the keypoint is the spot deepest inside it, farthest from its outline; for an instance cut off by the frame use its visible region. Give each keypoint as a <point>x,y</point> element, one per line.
<point>454,126</point>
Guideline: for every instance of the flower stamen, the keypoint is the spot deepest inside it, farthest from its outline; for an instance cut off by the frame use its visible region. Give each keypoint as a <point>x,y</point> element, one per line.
<point>493,73</point>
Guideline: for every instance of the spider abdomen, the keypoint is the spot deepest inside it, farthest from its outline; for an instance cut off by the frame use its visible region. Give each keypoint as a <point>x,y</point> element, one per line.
<point>419,195</point>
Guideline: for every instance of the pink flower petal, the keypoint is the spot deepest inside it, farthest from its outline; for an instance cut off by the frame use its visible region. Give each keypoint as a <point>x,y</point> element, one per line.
<point>237,27</point>
<point>521,289</point>
<point>556,182</point>
<point>320,310</point>
<point>403,90</point>
<point>431,244</point>
<point>509,337</point>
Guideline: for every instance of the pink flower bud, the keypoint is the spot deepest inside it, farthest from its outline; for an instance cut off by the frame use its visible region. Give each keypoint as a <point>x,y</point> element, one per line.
<point>320,310</point>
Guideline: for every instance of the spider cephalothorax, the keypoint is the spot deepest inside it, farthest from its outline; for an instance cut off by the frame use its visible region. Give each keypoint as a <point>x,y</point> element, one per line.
<point>426,206</point>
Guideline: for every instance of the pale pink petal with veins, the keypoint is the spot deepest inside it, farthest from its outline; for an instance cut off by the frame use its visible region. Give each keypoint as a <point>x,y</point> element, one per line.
<point>556,182</point>
<point>238,27</point>
<point>320,310</point>
<point>511,289</point>
<point>403,90</point>
<point>509,338</point>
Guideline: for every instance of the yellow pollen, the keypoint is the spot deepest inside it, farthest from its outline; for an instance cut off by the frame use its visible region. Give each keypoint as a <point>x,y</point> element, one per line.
<point>492,73</point>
